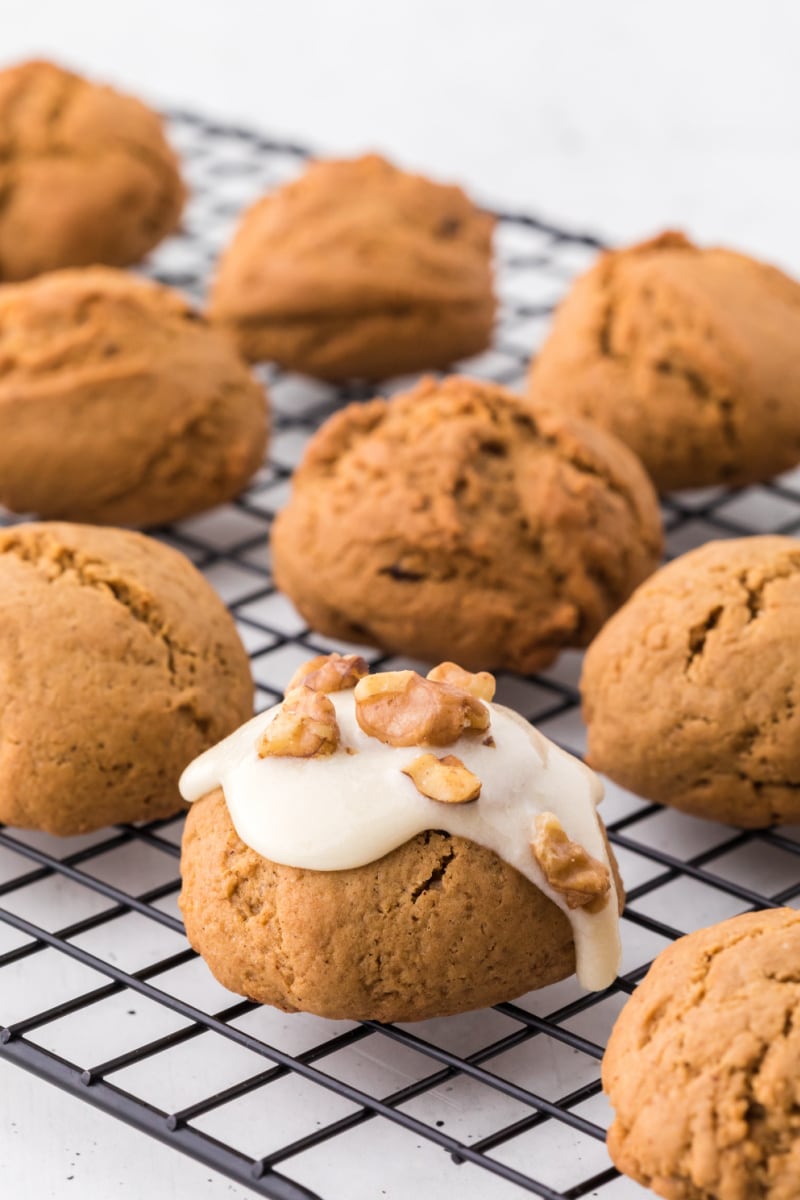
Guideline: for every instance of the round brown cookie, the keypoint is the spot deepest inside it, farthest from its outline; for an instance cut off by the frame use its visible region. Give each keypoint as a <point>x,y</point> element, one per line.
<point>706,654</point>
<point>86,175</point>
<point>396,940</point>
<point>451,523</point>
<point>118,664</point>
<point>118,403</point>
<point>359,270</point>
<point>703,1063</point>
<point>690,356</point>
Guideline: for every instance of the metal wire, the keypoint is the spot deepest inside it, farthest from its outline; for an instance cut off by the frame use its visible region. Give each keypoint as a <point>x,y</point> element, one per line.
<point>498,1103</point>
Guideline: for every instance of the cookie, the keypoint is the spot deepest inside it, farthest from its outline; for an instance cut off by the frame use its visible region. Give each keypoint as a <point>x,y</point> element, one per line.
<point>118,664</point>
<point>387,847</point>
<point>690,356</point>
<point>86,174</point>
<point>452,523</point>
<point>359,270</point>
<point>703,1062</point>
<point>706,654</point>
<point>118,403</point>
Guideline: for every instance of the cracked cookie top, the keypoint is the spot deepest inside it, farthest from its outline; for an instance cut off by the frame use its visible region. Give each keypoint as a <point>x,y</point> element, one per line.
<point>119,404</point>
<point>691,356</point>
<point>86,175</point>
<point>337,778</point>
<point>702,1065</point>
<point>451,522</point>
<point>118,664</point>
<point>351,252</point>
<point>706,654</point>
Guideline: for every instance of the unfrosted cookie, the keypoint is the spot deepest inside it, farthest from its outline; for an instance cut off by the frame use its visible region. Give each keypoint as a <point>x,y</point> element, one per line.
<point>691,692</point>
<point>690,356</point>
<point>358,269</point>
<point>453,523</point>
<point>86,175</point>
<point>118,664</point>
<point>387,847</point>
<point>702,1066</point>
<point>118,403</point>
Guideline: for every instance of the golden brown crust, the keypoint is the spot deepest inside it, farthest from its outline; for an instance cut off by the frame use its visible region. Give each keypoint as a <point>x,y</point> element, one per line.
<point>86,175</point>
<point>118,403</point>
<point>450,523</point>
<point>438,926</point>
<point>358,269</point>
<point>690,356</point>
<point>706,654</point>
<point>118,665</point>
<point>702,1065</point>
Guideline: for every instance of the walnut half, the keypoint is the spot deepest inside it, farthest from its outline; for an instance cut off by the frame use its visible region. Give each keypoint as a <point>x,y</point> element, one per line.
<point>305,727</point>
<point>582,880</point>
<point>480,684</point>
<point>444,779</point>
<point>401,708</point>
<point>330,673</point>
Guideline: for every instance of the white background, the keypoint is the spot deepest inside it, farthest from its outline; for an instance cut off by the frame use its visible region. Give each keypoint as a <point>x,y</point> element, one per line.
<point>619,117</point>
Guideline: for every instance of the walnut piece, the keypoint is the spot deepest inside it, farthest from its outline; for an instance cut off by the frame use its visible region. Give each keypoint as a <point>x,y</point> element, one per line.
<point>401,708</point>
<point>305,727</point>
<point>481,684</point>
<point>583,881</point>
<point>444,779</point>
<point>330,673</point>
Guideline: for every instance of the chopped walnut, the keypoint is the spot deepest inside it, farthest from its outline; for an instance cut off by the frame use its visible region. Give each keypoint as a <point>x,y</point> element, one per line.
<point>403,709</point>
<point>330,673</point>
<point>583,881</point>
<point>481,684</point>
<point>305,727</point>
<point>444,779</point>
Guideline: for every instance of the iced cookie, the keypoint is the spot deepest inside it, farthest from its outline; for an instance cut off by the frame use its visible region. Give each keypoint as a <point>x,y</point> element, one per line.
<point>452,523</point>
<point>118,403</point>
<point>118,664</point>
<point>702,1066</point>
<point>706,654</point>
<point>394,847</point>
<point>86,174</point>
<point>358,269</point>
<point>690,356</point>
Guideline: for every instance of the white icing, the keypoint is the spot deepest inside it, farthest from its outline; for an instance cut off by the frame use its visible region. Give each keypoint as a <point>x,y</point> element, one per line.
<point>347,809</point>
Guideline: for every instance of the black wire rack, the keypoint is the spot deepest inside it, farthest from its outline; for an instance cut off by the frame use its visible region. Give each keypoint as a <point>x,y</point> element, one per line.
<point>497,1103</point>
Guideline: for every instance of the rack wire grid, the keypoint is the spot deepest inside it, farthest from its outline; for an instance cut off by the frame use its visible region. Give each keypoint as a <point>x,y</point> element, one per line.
<point>100,993</point>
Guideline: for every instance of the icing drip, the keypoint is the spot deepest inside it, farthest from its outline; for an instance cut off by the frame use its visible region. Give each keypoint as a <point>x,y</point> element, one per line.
<point>353,807</point>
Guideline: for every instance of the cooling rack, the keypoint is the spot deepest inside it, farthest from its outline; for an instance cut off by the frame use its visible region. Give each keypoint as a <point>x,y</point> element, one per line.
<point>100,993</point>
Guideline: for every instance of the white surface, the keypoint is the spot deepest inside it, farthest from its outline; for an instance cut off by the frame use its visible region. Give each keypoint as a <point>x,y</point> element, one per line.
<point>620,117</point>
<point>52,1145</point>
